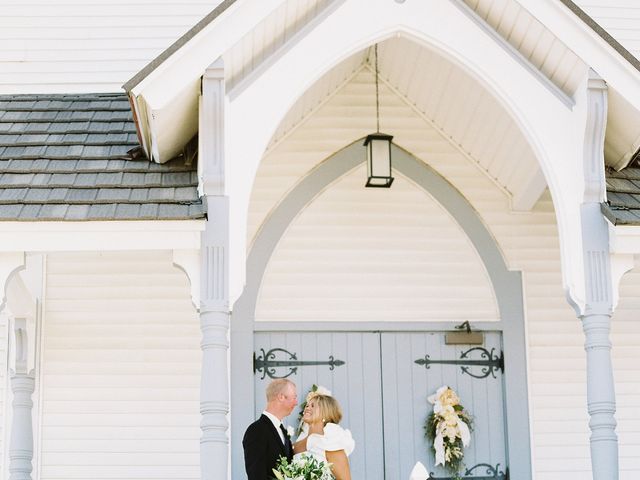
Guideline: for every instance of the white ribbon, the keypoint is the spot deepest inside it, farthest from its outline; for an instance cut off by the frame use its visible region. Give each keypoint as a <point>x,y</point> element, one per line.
<point>438,445</point>
<point>465,435</point>
<point>419,472</point>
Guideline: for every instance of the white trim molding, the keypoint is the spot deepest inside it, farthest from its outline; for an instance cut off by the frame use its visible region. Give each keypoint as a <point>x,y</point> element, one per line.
<point>625,239</point>
<point>87,236</point>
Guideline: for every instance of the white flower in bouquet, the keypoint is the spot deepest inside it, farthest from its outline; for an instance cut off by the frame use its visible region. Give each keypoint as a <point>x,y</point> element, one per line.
<point>323,391</point>
<point>303,467</point>
<point>449,427</point>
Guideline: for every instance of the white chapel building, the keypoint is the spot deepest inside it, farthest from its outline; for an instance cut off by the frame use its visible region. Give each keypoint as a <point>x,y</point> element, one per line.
<point>187,211</point>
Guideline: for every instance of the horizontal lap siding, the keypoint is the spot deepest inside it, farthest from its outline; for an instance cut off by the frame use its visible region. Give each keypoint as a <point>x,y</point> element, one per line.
<point>626,363</point>
<point>87,46</point>
<point>121,369</point>
<point>359,254</point>
<point>529,241</point>
<point>620,18</point>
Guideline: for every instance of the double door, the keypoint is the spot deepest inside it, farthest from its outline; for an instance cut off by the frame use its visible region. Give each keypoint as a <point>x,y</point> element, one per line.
<point>382,381</point>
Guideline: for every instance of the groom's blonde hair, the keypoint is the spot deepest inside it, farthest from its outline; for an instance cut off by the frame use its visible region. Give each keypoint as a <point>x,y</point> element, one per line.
<point>329,410</point>
<point>276,387</point>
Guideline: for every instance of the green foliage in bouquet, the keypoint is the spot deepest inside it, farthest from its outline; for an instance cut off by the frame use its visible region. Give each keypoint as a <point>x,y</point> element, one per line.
<point>454,450</point>
<point>303,467</point>
<point>448,428</point>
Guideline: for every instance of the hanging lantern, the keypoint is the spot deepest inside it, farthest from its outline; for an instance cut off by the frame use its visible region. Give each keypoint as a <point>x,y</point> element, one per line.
<point>378,160</point>
<point>378,147</point>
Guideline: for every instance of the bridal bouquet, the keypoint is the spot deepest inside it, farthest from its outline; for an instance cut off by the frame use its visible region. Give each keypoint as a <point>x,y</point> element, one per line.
<point>449,428</point>
<point>303,467</point>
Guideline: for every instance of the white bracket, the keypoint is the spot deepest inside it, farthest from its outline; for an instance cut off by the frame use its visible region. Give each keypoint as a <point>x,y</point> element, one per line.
<point>189,262</point>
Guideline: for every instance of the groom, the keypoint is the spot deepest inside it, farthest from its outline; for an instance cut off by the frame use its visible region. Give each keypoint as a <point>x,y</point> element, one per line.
<point>266,439</point>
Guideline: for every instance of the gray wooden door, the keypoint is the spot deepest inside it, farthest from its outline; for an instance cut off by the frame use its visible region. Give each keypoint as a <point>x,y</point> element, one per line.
<point>356,384</point>
<point>383,393</point>
<point>407,384</point>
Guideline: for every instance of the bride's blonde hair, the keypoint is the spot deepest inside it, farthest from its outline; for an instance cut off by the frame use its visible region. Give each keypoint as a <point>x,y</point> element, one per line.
<point>329,410</point>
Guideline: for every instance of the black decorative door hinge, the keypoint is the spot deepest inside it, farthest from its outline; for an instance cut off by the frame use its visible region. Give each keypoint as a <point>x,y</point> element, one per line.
<point>266,363</point>
<point>490,473</point>
<point>489,361</point>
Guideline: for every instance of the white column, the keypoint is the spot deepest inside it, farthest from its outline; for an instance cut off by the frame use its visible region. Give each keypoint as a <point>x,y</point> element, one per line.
<point>214,396</point>
<point>601,398</point>
<point>21,442</point>
<point>214,322</point>
<point>596,323</point>
<point>20,448</point>
<point>592,292</point>
<point>22,386</point>
<point>214,279</point>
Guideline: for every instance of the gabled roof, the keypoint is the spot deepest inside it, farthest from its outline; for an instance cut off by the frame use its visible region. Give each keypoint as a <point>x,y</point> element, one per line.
<point>66,157</point>
<point>248,33</point>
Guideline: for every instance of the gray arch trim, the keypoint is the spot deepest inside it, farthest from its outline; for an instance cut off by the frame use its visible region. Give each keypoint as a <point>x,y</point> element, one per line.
<point>507,286</point>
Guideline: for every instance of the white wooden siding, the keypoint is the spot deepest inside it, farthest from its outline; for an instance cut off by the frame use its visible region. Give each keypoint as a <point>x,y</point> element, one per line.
<point>359,254</point>
<point>529,242</point>
<point>121,369</point>
<point>626,362</point>
<point>621,18</point>
<point>533,40</point>
<point>87,45</point>
<point>268,36</point>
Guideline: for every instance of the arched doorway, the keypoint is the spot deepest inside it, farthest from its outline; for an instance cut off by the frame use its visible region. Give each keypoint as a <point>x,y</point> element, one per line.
<point>384,343</point>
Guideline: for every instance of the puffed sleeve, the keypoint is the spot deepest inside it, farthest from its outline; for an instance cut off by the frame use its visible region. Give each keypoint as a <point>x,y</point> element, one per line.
<point>335,438</point>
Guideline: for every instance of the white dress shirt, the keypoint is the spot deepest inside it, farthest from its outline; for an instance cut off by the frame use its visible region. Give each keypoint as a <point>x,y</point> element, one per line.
<point>276,423</point>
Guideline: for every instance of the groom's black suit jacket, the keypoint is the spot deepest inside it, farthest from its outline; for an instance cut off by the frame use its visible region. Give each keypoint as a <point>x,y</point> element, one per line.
<point>262,448</point>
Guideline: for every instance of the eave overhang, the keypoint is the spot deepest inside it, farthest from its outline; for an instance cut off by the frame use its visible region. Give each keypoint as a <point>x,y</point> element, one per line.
<point>164,95</point>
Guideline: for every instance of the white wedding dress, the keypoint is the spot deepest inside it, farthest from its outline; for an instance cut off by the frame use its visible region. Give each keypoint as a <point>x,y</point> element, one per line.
<point>334,438</point>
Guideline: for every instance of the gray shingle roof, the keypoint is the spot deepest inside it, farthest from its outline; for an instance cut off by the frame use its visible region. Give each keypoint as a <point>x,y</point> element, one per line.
<point>65,157</point>
<point>623,196</point>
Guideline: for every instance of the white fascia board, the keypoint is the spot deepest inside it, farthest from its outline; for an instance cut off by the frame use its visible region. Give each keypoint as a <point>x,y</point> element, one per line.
<point>166,92</point>
<point>191,60</point>
<point>589,46</point>
<point>624,239</point>
<point>108,235</point>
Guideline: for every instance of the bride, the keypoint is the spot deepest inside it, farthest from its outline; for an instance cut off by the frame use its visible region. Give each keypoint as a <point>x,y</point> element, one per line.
<point>323,438</point>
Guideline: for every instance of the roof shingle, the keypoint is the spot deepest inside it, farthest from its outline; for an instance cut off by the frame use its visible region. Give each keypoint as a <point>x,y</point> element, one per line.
<point>65,157</point>
<point>623,196</point>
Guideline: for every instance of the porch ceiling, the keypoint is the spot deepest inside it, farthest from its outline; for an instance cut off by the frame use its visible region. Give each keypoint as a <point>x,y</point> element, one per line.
<point>543,50</point>
<point>460,108</point>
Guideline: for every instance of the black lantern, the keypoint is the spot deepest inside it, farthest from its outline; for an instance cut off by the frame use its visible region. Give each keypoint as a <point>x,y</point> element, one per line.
<point>378,147</point>
<point>378,160</point>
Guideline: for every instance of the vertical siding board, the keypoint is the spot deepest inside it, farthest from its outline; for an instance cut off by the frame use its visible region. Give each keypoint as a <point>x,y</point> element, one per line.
<point>406,387</point>
<point>356,385</point>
